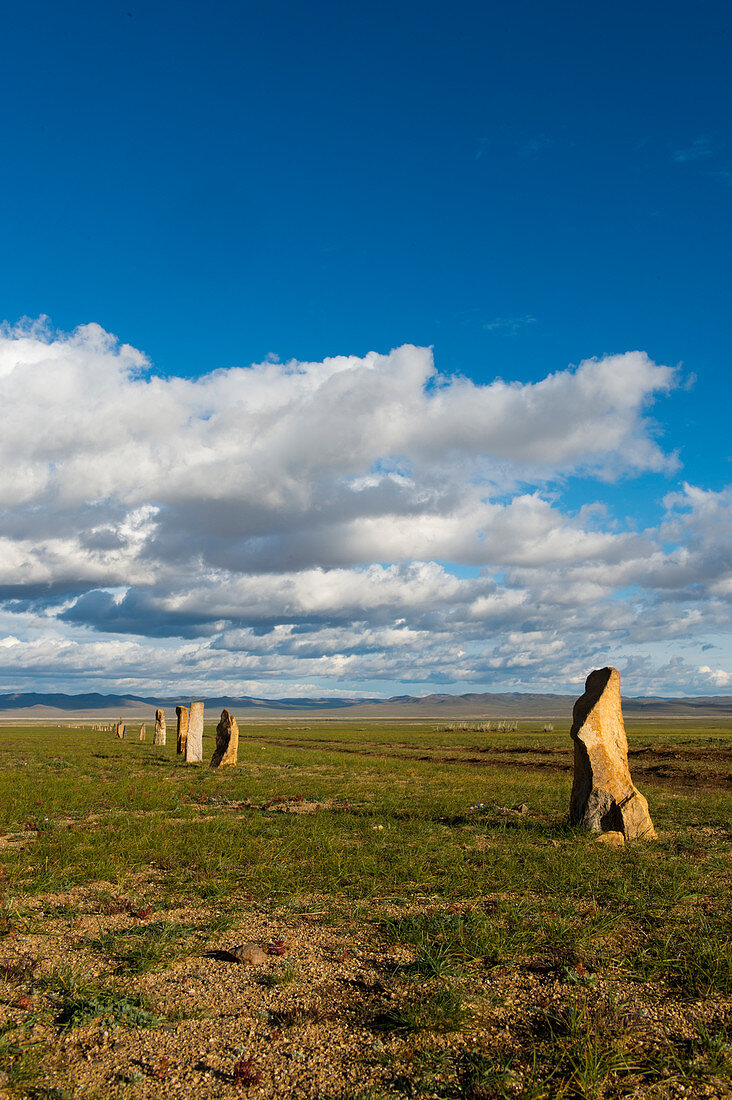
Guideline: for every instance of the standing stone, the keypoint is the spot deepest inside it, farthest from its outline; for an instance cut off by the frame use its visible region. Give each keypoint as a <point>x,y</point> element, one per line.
<point>159,737</point>
<point>227,741</point>
<point>143,732</point>
<point>182,733</point>
<point>120,729</point>
<point>194,740</point>
<point>603,796</point>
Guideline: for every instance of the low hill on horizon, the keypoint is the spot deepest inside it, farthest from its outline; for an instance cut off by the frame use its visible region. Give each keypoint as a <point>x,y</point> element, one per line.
<point>487,705</point>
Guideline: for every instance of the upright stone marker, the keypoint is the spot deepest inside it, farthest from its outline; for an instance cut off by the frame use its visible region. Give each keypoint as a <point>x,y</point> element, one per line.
<point>143,732</point>
<point>227,741</point>
<point>159,738</point>
<point>120,729</point>
<point>194,741</point>
<point>182,733</point>
<point>603,796</point>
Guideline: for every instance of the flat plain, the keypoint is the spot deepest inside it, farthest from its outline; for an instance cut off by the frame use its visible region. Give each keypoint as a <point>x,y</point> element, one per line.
<point>430,924</point>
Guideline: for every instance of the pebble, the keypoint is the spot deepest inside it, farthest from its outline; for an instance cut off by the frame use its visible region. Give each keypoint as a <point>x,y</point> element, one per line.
<point>248,954</point>
<point>612,839</point>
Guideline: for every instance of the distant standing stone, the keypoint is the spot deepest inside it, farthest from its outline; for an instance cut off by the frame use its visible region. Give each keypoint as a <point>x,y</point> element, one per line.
<point>143,732</point>
<point>159,738</point>
<point>182,732</point>
<point>227,741</point>
<point>603,796</point>
<point>194,741</point>
<point>120,729</point>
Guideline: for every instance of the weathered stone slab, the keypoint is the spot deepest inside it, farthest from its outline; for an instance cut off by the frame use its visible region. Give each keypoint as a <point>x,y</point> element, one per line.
<point>227,741</point>
<point>182,731</point>
<point>143,732</point>
<point>159,737</point>
<point>120,729</point>
<point>194,741</point>
<point>603,797</point>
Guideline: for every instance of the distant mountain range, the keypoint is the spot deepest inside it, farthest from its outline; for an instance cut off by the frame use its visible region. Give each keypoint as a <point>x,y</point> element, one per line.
<point>92,700</point>
<point>486,705</point>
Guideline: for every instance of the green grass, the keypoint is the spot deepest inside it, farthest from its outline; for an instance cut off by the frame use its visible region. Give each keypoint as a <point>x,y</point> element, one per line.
<point>590,1048</point>
<point>79,999</point>
<point>445,940</point>
<point>21,1057</point>
<point>146,947</point>
<point>422,849</point>
<point>282,974</point>
<point>439,1009</point>
<point>695,958</point>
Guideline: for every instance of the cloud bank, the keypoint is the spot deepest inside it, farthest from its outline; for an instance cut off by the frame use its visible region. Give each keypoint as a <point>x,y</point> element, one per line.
<point>299,527</point>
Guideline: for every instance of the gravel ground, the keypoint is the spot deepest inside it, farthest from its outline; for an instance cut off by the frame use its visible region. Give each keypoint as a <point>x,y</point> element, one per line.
<point>306,1022</point>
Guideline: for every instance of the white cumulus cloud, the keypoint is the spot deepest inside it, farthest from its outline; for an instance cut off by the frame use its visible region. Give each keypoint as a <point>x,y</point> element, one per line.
<point>356,519</point>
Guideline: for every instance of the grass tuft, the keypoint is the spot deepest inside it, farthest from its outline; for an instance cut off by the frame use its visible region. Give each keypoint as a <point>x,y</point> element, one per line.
<point>440,1009</point>
<point>20,1057</point>
<point>442,940</point>
<point>146,947</point>
<point>81,1000</point>
<point>694,957</point>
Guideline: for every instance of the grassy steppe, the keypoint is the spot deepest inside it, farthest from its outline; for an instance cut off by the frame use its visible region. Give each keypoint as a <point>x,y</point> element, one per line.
<point>424,935</point>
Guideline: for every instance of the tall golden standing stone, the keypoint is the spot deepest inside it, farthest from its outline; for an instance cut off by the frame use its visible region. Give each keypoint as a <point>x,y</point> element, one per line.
<point>603,797</point>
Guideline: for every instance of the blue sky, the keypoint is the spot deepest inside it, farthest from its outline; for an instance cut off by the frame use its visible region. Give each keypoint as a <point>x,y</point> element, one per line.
<point>522,188</point>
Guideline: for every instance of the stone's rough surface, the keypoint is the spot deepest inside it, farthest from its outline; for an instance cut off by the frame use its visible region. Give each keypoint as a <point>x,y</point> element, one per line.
<point>603,797</point>
<point>120,729</point>
<point>159,738</point>
<point>249,954</point>
<point>142,732</point>
<point>227,741</point>
<point>194,741</point>
<point>182,732</point>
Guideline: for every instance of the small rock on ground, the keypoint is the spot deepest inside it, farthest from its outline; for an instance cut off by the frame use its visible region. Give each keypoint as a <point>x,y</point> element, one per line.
<point>248,954</point>
<point>612,839</point>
